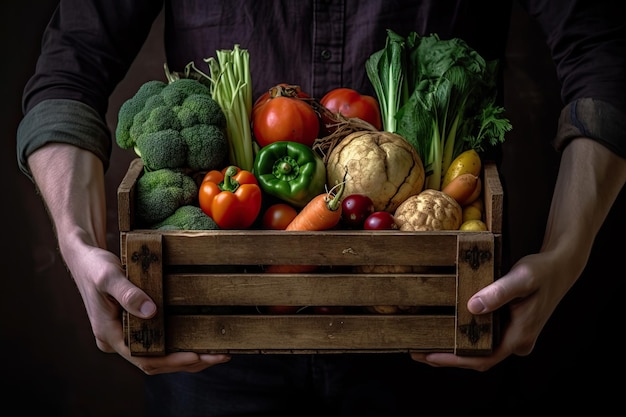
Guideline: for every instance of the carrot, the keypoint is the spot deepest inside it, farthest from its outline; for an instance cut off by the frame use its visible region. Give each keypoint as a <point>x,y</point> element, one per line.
<point>323,212</point>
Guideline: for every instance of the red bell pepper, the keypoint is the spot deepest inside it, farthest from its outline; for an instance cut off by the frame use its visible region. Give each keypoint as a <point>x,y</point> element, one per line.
<point>231,197</point>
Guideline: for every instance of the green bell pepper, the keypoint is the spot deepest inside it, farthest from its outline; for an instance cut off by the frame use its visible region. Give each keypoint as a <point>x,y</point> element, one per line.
<point>290,171</point>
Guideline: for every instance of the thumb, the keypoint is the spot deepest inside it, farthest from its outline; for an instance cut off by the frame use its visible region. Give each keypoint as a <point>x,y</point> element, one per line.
<point>133,299</point>
<point>496,294</point>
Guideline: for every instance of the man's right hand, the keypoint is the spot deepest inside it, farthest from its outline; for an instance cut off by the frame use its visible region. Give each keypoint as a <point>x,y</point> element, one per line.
<point>71,182</point>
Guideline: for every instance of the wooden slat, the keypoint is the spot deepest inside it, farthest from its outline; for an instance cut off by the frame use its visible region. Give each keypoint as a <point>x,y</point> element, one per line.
<point>126,195</point>
<point>313,289</point>
<point>474,334</point>
<point>337,248</point>
<point>493,195</point>
<point>202,333</point>
<point>144,269</point>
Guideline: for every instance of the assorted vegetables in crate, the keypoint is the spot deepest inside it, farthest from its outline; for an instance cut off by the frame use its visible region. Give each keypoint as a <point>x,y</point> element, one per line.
<point>412,153</point>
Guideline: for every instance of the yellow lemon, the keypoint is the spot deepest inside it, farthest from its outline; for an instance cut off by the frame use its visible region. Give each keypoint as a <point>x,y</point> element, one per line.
<point>473,226</point>
<point>472,212</point>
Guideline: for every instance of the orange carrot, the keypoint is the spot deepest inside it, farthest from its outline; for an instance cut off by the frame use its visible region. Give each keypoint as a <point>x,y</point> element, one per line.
<point>323,212</point>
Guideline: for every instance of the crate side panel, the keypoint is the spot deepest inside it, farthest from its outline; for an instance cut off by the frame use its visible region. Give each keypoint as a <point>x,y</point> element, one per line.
<point>144,269</point>
<point>293,333</point>
<point>475,271</point>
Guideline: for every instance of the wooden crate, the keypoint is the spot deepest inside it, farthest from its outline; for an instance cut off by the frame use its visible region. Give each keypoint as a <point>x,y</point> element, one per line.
<point>210,287</point>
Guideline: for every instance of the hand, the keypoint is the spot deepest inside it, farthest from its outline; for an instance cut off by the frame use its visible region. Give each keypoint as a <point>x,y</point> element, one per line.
<point>590,178</point>
<point>531,292</point>
<point>106,291</point>
<point>71,182</point>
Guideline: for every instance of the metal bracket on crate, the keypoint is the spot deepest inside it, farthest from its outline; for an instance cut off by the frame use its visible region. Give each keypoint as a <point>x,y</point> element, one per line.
<point>145,256</point>
<point>474,257</point>
<point>474,331</point>
<point>146,336</point>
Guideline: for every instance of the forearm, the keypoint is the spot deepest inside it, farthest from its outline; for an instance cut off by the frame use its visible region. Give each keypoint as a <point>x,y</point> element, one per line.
<point>71,183</point>
<point>589,180</point>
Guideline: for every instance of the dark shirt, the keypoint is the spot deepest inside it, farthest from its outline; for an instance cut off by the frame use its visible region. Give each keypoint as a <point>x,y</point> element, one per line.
<point>90,44</point>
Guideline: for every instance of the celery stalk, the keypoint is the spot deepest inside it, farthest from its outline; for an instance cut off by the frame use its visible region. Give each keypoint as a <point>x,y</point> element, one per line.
<point>232,89</point>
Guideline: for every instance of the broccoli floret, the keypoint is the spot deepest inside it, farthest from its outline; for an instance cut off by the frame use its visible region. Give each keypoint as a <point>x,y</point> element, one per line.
<point>188,217</point>
<point>149,120</point>
<point>154,120</point>
<point>161,192</point>
<point>163,149</point>
<point>177,91</point>
<point>201,109</point>
<point>207,146</point>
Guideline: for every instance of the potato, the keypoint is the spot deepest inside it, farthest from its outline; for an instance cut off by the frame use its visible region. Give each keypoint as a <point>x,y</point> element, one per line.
<point>429,210</point>
<point>381,165</point>
<point>467,162</point>
<point>475,225</point>
<point>464,189</point>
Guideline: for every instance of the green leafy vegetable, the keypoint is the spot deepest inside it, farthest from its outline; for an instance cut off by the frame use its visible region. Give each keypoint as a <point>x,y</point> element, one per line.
<point>440,95</point>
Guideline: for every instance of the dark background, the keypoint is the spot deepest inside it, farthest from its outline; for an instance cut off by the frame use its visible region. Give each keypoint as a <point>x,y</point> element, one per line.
<point>50,362</point>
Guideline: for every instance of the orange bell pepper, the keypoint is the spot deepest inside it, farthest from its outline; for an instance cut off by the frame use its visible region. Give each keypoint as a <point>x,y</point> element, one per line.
<point>231,197</point>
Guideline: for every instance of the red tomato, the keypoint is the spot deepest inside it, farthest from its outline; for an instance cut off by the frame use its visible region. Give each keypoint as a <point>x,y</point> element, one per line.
<point>355,208</point>
<point>281,114</point>
<point>380,220</point>
<point>278,216</point>
<point>350,103</point>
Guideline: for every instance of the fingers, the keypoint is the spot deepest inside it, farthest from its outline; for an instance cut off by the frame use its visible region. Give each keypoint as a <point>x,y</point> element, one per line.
<point>174,362</point>
<point>178,362</point>
<point>477,363</point>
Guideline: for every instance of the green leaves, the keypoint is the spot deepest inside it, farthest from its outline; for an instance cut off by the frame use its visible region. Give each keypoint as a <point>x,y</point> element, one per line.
<point>386,70</point>
<point>439,95</point>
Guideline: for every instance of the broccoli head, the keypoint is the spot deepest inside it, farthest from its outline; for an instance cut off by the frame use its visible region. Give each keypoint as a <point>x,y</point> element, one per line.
<point>187,217</point>
<point>153,122</point>
<point>160,193</point>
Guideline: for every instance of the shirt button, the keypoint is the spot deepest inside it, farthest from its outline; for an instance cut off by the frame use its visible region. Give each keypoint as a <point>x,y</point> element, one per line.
<point>326,54</point>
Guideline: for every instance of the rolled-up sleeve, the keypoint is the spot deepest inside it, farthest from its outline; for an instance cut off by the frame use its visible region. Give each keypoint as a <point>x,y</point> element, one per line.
<point>62,121</point>
<point>87,49</point>
<point>594,119</point>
